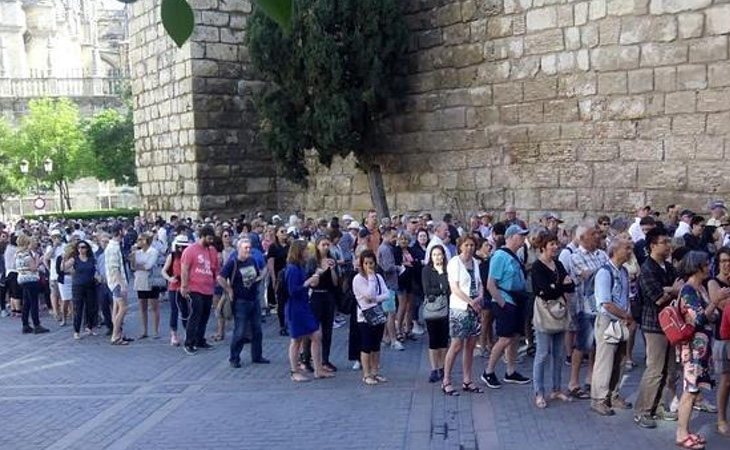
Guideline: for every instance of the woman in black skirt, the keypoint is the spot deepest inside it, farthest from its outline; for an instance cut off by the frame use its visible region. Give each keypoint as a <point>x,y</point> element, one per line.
<point>436,283</point>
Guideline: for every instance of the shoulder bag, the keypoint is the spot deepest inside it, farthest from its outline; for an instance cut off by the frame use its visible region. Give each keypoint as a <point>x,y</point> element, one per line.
<point>436,306</point>
<point>375,315</point>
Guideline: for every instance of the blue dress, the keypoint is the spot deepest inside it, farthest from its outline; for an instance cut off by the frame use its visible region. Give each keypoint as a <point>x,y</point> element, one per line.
<point>300,319</point>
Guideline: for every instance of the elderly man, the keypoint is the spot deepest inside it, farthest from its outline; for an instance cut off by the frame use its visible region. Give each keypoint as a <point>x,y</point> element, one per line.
<point>612,301</point>
<point>440,237</point>
<point>584,263</point>
<point>635,230</point>
<point>240,278</point>
<point>510,217</point>
<point>508,287</point>
<point>718,214</point>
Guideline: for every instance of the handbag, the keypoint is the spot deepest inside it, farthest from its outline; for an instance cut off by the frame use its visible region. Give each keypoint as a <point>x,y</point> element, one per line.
<point>436,307</point>
<point>550,316</point>
<point>616,332</point>
<point>673,325</point>
<point>389,304</point>
<point>374,316</point>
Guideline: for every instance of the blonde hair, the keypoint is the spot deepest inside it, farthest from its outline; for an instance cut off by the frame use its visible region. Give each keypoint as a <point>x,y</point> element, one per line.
<point>23,241</point>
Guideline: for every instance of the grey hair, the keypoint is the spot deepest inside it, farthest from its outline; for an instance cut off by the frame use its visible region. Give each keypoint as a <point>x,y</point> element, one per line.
<point>692,262</point>
<point>615,244</point>
<point>243,241</point>
<point>438,224</point>
<point>581,230</point>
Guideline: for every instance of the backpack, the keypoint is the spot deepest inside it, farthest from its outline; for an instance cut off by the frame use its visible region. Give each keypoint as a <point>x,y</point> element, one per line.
<point>673,325</point>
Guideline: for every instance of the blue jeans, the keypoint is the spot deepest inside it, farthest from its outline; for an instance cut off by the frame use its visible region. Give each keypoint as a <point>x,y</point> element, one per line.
<point>548,345</point>
<point>246,315</point>
<point>178,308</point>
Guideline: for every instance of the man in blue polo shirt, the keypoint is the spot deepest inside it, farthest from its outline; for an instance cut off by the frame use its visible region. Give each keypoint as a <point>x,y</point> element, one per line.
<point>240,278</point>
<point>506,284</point>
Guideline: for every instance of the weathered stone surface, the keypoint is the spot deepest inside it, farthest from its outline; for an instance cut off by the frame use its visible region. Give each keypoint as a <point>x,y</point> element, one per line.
<point>663,54</point>
<point>690,25</point>
<point>542,18</point>
<point>641,80</point>
<point>718,19</point>
<point>612,83</point>
<point>680,102</point>
<point>647,29</point>
<point>673,6</point>
<point>615,58</point>
<point>663,175</point>
<point>544,42</point>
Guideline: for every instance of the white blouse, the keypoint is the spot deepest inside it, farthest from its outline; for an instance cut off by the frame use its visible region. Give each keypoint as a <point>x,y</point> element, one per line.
<point>457,273</point>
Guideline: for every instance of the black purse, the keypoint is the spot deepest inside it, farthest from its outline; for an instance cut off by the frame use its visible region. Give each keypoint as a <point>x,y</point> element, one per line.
<point>376,315</point>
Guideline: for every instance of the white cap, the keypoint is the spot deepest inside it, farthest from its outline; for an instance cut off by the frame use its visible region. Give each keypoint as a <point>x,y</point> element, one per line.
<point>55,232</point>
<point>347,217</point>
<point>353,225</point>
<point>291,230</point>
<point>276,218</point>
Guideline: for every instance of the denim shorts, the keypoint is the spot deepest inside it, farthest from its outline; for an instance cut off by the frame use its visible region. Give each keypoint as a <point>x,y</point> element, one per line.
<point>584,335</point>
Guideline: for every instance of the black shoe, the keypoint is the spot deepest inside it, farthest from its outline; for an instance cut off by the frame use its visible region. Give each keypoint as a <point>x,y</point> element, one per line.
<point>283,332</point>
<point>516,378</point>
<point>235,364</point>
<point>434,377</point>
<point>262,361</point>
<point>190,350</point>
<point>40,329</point>
<point>491,380</point>
<point>108,332</point>
<point>127,339</point>
<point>205,346</point>
<point>27,330</point>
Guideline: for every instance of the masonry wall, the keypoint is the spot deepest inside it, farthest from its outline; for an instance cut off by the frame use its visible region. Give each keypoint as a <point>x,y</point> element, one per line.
<point>195,127</point>
<point>570,106</point>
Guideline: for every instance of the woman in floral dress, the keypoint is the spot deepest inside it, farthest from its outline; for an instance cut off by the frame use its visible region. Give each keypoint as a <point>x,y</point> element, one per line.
<point>696,308</point>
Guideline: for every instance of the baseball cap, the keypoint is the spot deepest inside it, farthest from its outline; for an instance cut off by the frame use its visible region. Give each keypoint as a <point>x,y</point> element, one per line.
<point>55,232</point>
<point>353,225</point>
<point>717,204</point>
<point>552,216</point>
<point>515,229</point>
<point>686,212</point>
<point>347,217</point>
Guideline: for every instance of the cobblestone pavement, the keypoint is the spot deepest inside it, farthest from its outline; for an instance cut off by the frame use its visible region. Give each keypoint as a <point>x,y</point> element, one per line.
<point>56,393</point>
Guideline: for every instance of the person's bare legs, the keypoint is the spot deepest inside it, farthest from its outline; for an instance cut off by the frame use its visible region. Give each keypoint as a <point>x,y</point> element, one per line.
<point>120,309</point>
<point>143,304</point>
<point>319,371</point>
<point>723,391</point>
<point>154,305</point>
<point>684,414</point>
<point>456,346</point>
<point>467,359</point>
<point>500,347</point>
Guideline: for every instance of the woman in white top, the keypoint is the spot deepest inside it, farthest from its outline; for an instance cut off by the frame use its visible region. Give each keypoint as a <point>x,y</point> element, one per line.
<point>142,260</point>
<point>465,304</point>
<point>370,291</point>
<point>11,277</point>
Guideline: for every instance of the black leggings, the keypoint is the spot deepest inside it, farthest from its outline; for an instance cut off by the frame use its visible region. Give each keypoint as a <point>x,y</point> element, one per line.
<point>323,307</point>
<point>85,306</point>
<point>179,307</point>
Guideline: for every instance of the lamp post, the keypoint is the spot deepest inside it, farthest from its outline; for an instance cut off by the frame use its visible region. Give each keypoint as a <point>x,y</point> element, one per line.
<point>37,172</point>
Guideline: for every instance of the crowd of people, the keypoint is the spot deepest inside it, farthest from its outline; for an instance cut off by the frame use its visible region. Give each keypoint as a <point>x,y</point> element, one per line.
<point>490,286</point>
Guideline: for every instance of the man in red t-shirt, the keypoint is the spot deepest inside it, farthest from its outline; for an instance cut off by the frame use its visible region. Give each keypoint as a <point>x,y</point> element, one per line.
<point>199,268</point>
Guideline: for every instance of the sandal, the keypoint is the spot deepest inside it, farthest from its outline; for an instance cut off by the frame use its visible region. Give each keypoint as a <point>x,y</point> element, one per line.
<point>380,378</point>
<point>370,380</point>
<point>723,429</point>
<point>323,374</point>
<point>217,338</point>
<point>297,377</point>
<point>559,395</point>
<point>701,439</point>
<point>143,336</point>
<point>119,341</point>
<point>450,392</point>
<point>690,442</point>
<point>471,388</point>
<point>540,402</point>
<point>579,394</point>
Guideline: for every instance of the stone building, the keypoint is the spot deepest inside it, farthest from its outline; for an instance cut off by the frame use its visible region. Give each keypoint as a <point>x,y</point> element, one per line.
<point>62,48</point>
<point>563,105</point>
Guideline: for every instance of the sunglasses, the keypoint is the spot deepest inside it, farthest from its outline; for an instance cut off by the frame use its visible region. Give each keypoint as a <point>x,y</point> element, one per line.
<point>83,247</point>
<point>604,224</point>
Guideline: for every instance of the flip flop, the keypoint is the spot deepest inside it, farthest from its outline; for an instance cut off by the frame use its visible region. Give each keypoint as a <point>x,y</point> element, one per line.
<point>120,341</point>
<point>471,388</point>
<point>690,442</point>
<point>579,394</point>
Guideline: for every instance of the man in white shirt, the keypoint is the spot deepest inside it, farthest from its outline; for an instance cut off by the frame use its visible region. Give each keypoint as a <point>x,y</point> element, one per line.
<point>52,252</point>
<point>440,234</point>
<point>116,280</point>
<point>685,217</point>
<point>718,213</point>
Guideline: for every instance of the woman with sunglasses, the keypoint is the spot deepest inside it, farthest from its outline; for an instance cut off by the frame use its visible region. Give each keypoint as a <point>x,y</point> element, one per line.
<point>82,265</point>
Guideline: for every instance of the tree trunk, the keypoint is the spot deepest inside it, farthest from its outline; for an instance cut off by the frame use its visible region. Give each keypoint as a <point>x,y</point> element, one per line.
<point>67,195</point>
<point>60,197</point>
<point>377,190</point>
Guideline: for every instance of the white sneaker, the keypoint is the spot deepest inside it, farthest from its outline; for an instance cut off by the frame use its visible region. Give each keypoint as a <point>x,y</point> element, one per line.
<point>4,313</point>
<point>417,329</point>
<point>397,346</point>
<point>356,366</point>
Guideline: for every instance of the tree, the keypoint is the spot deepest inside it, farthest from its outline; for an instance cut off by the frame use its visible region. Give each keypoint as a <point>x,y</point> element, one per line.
<point>178,19</point>
<point>333,75</point>
<point>110,138</point>
<point>10,181</point>
<point>52,129</point>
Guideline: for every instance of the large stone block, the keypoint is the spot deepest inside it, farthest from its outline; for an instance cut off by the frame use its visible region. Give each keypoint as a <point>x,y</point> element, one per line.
<point>507,93</point>
<point>647,29</point>
<point>719,74</point>
<point>615,58</point>
<point>708,49</point>
<point>615,174</point>
<point>663,175</point>
<point>612,83</point>
<point>717,123</point>
<point>654,54</point>
<point>641,150</point>
<point>538,89</point>
<point>680,102</point>
<point>596,151</point>
<point>688,124</point>
<point>626,7</point>
<point>575,174</point>
<point>718,19</point>
<point>690,25</point>
<point>542,18</point>
<point>713,100</point>
<point>707,177</point>
<point>544,42</point>
<point>640,80</point>
<point>674,6</point>
<point>558,199</point>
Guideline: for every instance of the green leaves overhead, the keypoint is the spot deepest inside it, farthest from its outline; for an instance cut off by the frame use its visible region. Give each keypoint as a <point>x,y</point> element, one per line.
<point>280,11</point>
<point>178,20</point>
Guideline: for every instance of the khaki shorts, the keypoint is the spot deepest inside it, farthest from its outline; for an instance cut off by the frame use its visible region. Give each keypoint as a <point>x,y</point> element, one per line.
<point>721,356</point>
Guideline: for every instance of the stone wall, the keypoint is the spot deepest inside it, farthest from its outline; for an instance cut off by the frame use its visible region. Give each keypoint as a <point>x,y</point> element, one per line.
<point>194,122</point>
<point>572,106</point>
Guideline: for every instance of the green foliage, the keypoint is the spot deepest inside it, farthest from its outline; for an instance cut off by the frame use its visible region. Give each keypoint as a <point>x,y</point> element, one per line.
<point>110,137</point>
<point>177,18</point>
<point>88,215</point>
<point>10,180</point>
<point>279,11</point>
<point>333,75</point>
<point>52,129</point>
